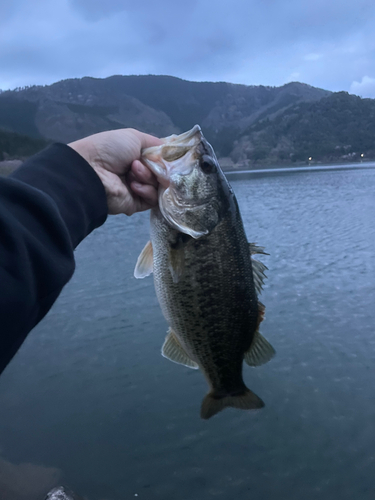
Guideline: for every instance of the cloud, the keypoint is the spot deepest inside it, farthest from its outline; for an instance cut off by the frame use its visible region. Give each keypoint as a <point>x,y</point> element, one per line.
<point>244,42</point>
<point>312,57</point>
<point>364,88</point>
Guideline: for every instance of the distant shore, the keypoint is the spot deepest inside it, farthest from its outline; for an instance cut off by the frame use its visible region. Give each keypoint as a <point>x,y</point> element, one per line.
<point>228,166</point>
<point>8,166</point>
<point>241,174</point>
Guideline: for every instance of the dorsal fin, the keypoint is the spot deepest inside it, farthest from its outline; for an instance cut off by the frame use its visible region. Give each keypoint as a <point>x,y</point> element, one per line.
<point>258,267</point>
<point>258,274</point>
<point>255,249</point>
<point>260,351</point>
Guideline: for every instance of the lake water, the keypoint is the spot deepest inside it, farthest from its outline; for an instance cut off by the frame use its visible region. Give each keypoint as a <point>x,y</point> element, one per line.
<point>89,401</point>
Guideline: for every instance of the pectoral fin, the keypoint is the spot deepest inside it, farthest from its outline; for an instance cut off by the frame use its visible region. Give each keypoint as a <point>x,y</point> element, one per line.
<point>177,263</point>
<point>145,262</point>
<point>173,350</point>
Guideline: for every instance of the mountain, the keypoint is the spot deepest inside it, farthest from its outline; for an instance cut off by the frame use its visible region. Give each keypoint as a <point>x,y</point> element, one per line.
<point>161,105</point>
<point>337,127</point>
<point>249,125</point>
<point>13,145</point>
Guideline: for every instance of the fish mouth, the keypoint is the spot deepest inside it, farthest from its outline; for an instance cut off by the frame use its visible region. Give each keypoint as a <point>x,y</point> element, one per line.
<point>158,168</point>
<point>171,155</point>
<point>177,157</point>
<point>188,138</point>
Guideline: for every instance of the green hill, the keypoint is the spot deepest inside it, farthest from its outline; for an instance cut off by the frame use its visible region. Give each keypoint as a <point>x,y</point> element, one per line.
<point>249,125</point>
<point>14,145</point>
<point>337,127</point>
<point>161,105</point>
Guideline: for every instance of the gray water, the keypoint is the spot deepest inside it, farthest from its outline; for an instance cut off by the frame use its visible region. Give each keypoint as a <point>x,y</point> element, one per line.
<point>90,402</point>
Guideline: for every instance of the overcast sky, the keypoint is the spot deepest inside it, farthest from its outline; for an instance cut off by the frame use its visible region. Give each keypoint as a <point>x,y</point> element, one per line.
<point>325,43</point>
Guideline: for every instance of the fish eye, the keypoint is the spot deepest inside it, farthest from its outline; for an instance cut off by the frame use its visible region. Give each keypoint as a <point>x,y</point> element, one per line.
<point>207,164</point>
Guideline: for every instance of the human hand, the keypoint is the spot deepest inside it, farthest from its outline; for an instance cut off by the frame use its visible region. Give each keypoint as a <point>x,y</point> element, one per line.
<point>114,155</point>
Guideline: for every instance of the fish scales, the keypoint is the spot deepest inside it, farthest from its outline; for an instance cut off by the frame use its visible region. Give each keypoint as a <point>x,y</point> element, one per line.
<point>214,298</point>
<point>203,272</point>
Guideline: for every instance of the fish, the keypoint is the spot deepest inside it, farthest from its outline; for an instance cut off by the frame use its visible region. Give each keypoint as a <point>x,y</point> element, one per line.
<point>206,279</point>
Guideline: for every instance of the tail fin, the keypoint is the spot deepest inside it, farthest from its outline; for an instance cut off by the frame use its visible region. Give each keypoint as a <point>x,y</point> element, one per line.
<point>212,404</point>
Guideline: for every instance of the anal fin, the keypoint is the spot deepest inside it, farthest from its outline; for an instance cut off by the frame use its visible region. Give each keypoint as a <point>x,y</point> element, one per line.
<point>173,350</point>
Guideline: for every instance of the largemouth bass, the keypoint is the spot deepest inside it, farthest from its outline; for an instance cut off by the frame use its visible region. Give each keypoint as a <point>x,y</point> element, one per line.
<point>206,281</point>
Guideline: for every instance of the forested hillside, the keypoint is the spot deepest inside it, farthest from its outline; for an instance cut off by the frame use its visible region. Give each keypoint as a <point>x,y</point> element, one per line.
<point>248,125</point>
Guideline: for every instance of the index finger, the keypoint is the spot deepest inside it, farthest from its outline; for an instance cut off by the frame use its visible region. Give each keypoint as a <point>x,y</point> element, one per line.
<point>142,174</point>
<point>147,140</point>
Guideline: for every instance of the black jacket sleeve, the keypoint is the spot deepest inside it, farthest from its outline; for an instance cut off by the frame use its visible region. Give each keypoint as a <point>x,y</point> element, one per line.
<point>47,207</point>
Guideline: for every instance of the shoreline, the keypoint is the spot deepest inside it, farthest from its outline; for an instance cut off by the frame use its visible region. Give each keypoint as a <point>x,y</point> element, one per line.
<point>8,166</point>
<point>308,168</point>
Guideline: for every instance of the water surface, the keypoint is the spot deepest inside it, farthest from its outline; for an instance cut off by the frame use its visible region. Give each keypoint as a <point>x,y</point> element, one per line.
<point>90,395</point>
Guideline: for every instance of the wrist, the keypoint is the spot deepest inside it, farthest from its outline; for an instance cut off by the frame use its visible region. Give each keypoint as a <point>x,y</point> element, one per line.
<point>83,149</point>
